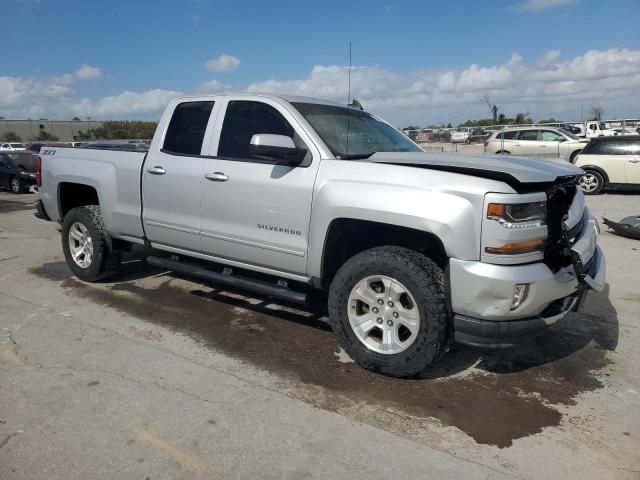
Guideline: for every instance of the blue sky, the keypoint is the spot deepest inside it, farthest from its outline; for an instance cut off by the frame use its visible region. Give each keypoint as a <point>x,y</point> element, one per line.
<point>414,61</point>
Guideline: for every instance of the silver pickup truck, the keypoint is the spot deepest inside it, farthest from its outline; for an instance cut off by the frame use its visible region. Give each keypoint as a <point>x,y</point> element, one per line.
<point>283,195</point>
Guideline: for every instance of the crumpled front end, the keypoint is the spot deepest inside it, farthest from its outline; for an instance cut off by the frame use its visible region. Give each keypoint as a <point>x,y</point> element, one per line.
<point>498,304</point>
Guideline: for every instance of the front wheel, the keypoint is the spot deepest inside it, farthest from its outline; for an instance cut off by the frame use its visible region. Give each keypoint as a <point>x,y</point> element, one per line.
<point>88,247</point>
<point>592,182</point>
<point>387,308</point>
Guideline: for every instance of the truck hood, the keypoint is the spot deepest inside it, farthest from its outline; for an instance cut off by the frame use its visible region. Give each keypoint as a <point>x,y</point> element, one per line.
<point>514,171</point>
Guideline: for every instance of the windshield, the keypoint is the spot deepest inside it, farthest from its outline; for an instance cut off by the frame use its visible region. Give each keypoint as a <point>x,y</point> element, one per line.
<point>17,145</point>
<point>602,126</point>
<point>25,161</point>
<point>567,133</point>
<point>367,134</point>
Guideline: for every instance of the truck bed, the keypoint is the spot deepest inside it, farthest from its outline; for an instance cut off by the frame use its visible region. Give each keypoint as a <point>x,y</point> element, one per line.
<point>114,174</point>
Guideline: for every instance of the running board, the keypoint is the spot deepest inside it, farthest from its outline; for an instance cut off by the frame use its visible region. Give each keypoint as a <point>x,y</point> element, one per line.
<point>228,278</point>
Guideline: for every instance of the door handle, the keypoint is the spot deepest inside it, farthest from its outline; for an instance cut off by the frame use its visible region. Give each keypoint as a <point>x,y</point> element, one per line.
<point>216,177</point>
<point>634,161</point>
<point>156,170</point>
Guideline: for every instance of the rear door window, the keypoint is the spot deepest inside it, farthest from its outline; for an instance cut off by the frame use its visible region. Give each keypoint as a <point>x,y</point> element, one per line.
<point>528,135</point>
<point>186,128</point>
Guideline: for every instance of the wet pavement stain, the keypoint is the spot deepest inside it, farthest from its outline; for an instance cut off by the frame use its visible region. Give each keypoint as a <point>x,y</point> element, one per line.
<point>494,397</point>
<point>8,206</point>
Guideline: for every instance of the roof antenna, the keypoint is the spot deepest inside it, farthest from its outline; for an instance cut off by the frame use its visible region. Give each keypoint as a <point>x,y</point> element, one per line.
<point>348,96</point>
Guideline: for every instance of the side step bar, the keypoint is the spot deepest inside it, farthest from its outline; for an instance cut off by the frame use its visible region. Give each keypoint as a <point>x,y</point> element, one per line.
<point>256,286</point>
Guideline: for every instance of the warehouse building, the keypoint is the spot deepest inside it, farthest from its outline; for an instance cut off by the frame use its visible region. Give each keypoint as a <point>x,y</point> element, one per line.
<point>65,130</point>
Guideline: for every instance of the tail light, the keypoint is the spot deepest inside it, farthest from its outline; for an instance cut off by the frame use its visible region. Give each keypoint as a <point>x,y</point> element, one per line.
<point>38,171</point>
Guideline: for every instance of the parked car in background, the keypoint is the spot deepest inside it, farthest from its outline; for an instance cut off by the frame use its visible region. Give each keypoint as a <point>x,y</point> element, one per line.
<point>598,129</point>
<point>478,135</point>
<point>625,131</point>
<point>133,147</point>
<point>36,147</point>
<point>12,146</point>
<point>17,171</point>
<point>610,162</point>
<point>535,142</point>
<point>460,135</point>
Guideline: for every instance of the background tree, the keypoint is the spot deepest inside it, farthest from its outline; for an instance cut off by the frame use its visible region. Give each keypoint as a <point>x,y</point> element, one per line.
<point>597,112</point>
<point>120,130</point>
<point>10,137</point>
<point>75,119</point>
<point>549,120</point>
<point>44,136</point>
<point>522,118</point>
<point>493,108</point>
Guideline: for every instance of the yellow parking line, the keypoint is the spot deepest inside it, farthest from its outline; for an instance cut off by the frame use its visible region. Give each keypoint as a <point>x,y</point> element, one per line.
<point>179,456</point>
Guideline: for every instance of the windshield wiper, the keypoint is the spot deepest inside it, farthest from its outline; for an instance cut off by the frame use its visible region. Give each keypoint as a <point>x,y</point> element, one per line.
<point>355,156</point>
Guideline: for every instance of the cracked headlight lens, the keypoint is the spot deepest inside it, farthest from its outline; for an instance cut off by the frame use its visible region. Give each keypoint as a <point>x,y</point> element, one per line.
<point>518,215</point>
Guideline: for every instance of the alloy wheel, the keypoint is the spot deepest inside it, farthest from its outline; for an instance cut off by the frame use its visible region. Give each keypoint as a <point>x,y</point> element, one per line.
<point>80,245</point>
<point>383,314</point>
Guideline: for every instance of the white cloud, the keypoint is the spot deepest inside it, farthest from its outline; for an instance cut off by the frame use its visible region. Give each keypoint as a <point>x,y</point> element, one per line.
<point>224,63</point>
<point>126,103</point>
<point>34,98</point>
<point>87,72</point>
<point>548,86</point>
<point>542,5</point>
<point>212,86</point>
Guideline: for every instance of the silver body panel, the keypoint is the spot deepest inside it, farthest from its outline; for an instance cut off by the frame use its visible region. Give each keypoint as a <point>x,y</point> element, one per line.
<point>275,218</point>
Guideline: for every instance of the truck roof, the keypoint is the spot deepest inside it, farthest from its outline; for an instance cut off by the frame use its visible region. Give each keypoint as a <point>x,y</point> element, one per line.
<point>273,96</point>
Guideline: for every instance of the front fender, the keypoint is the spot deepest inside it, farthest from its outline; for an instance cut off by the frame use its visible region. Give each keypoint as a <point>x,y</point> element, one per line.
<point>450,217</point>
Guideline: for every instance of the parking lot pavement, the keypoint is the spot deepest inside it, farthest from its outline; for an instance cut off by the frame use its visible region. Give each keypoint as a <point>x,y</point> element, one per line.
<point>158,376</point>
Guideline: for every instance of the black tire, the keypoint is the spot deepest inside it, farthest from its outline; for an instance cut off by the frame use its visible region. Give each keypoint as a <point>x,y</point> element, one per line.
<point>426,283</point>
<point>598,179</point>
<point>572,159</point>
<point>16,186</point>
<point>106,257</point>
<point>503,152</point>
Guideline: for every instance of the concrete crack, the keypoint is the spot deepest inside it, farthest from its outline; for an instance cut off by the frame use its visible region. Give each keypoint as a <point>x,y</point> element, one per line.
<point>7,439</point>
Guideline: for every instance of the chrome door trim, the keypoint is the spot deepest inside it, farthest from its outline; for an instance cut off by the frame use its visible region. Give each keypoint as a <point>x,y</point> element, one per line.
<point>249,243</point>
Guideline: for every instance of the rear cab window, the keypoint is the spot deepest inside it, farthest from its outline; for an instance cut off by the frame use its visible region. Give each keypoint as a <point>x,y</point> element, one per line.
<point>187,127</point>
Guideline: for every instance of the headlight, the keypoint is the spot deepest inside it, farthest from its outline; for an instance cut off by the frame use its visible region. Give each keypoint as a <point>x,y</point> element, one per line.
<point>518,215</point>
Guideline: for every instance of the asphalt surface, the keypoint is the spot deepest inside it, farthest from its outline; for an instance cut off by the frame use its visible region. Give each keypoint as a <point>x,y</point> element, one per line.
<point>154,375</point>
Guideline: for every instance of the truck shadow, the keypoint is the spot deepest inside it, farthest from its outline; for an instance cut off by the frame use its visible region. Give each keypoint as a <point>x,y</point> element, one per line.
<point>597,323</point>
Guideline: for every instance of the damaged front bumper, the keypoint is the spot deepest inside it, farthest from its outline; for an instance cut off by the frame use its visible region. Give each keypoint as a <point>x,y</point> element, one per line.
<point>482,299</point>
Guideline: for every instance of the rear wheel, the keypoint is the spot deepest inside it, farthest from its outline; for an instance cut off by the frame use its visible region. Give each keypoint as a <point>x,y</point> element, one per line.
<point>592,182</point>
<point>503,152</point>
<point>387,308</point>
<point>88,248</point>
